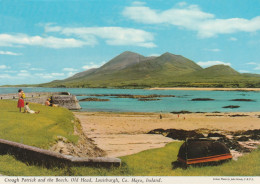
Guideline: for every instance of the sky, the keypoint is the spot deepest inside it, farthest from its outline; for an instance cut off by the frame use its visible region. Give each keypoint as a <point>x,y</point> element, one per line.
<point>45,40</point>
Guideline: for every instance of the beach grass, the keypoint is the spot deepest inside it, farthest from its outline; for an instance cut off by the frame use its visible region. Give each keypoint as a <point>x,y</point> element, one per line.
<point>40,130</point>
<point>154,162</point>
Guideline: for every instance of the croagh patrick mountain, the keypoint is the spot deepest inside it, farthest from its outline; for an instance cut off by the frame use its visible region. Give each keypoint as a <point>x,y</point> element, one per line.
<point>132,70</point>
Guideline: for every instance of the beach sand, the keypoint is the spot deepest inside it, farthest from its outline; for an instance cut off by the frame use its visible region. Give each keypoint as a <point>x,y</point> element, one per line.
<point>121,134</point>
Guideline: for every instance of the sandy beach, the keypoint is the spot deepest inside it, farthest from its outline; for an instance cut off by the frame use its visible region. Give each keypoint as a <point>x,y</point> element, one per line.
<point>121,134</point>
<point>208,89</point>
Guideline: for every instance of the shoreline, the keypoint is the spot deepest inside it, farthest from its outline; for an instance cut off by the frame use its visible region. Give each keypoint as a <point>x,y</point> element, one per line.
<point>206,89</point>
<point>121,134</point>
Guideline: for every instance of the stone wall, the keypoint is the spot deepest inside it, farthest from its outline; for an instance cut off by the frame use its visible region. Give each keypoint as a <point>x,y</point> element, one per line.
<point>37,156</point>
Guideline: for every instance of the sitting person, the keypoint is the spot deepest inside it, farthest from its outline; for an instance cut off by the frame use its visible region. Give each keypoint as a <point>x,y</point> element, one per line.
<point>28,110</point>
<point>47,102</point>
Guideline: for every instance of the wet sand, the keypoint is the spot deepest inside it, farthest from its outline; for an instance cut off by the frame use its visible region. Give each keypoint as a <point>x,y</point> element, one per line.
<point>121,134</point>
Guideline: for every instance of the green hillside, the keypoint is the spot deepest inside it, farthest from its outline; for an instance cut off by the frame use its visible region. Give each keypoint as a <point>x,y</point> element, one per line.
<point>132,70</point>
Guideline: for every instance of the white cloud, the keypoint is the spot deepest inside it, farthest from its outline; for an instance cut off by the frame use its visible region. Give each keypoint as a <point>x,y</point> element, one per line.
<point>182,4</point>
<point>36,69</point>
<point>3,67</point>
<point>44,75</point>
<point>50,75</point>
<point>87,67</point>
<point>9,53</point>
<point>10,71</point>
<point>5,76</point>
<point>192,18</point>
<point>138,3</point>
<point>213,50</point>
<point>244,71</point>
<point>257,67</point>
<point>112,35</point>
<point>211,63</point>
<point>50,41</point>
<point>24,73</point>
<point>57,74</point>
<point>251,63</point>
<point>233,39</point>
<point>71,74</point>
<point>69,69</point>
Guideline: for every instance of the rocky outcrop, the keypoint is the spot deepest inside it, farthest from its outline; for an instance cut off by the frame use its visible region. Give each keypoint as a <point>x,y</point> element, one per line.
<point>231,106</point>
<point>243,100</point>
<point>148,99</point>
<point>67,101</point>
<point>202,99</point>
<point>94,100</point>
<point>239,141</point>
<point>128,95</point>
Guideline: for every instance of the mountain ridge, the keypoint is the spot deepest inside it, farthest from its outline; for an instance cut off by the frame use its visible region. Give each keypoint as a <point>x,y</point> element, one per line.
<point>133,70</point>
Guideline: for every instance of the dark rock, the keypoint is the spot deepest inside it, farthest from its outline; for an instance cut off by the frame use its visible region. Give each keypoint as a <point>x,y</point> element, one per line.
<point>181,112</point>
<point>243,138</point>
<point>214,115</point>
<point>64,93</point>
<point>255,137</point>
<point>202,99</point>
<point>215,135</point>
<point>157,131</point>
<point>131,96</point>
<point>231,106</point>
<point>238,115</point>
<point>148,99</point>
<point>94,99</point>
<point>233,144</point>
<point>252,132</point>
<point>183,134</point>
<point>243,100</point>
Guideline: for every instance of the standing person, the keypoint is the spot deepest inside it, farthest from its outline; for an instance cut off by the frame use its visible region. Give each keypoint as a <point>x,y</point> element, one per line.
<point>21,97</point>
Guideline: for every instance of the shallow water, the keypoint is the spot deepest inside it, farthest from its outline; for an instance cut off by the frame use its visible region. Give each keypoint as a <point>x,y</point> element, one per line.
<point>182,101</point>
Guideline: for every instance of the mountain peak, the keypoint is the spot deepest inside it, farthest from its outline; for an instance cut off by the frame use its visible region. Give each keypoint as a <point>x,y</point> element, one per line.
<point>167,54</point>
<point>122,61</point>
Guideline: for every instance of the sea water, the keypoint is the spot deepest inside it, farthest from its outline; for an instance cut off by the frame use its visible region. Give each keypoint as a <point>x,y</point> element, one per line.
<point>181,101</point>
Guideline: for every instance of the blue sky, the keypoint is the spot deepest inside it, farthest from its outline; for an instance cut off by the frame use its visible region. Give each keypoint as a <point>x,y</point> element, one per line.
<point>44,40</point>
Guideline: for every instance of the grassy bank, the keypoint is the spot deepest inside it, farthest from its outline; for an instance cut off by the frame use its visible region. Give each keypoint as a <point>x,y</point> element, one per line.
<point>42,129</point>
<point>156,162</point>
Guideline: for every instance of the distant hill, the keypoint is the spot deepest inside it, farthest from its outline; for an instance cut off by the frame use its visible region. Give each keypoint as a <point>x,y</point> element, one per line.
<point>217,71</point>
<point>132,70</point>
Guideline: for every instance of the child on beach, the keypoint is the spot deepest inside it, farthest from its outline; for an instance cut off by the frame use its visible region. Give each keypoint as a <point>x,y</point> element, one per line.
<point>28,110</point>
